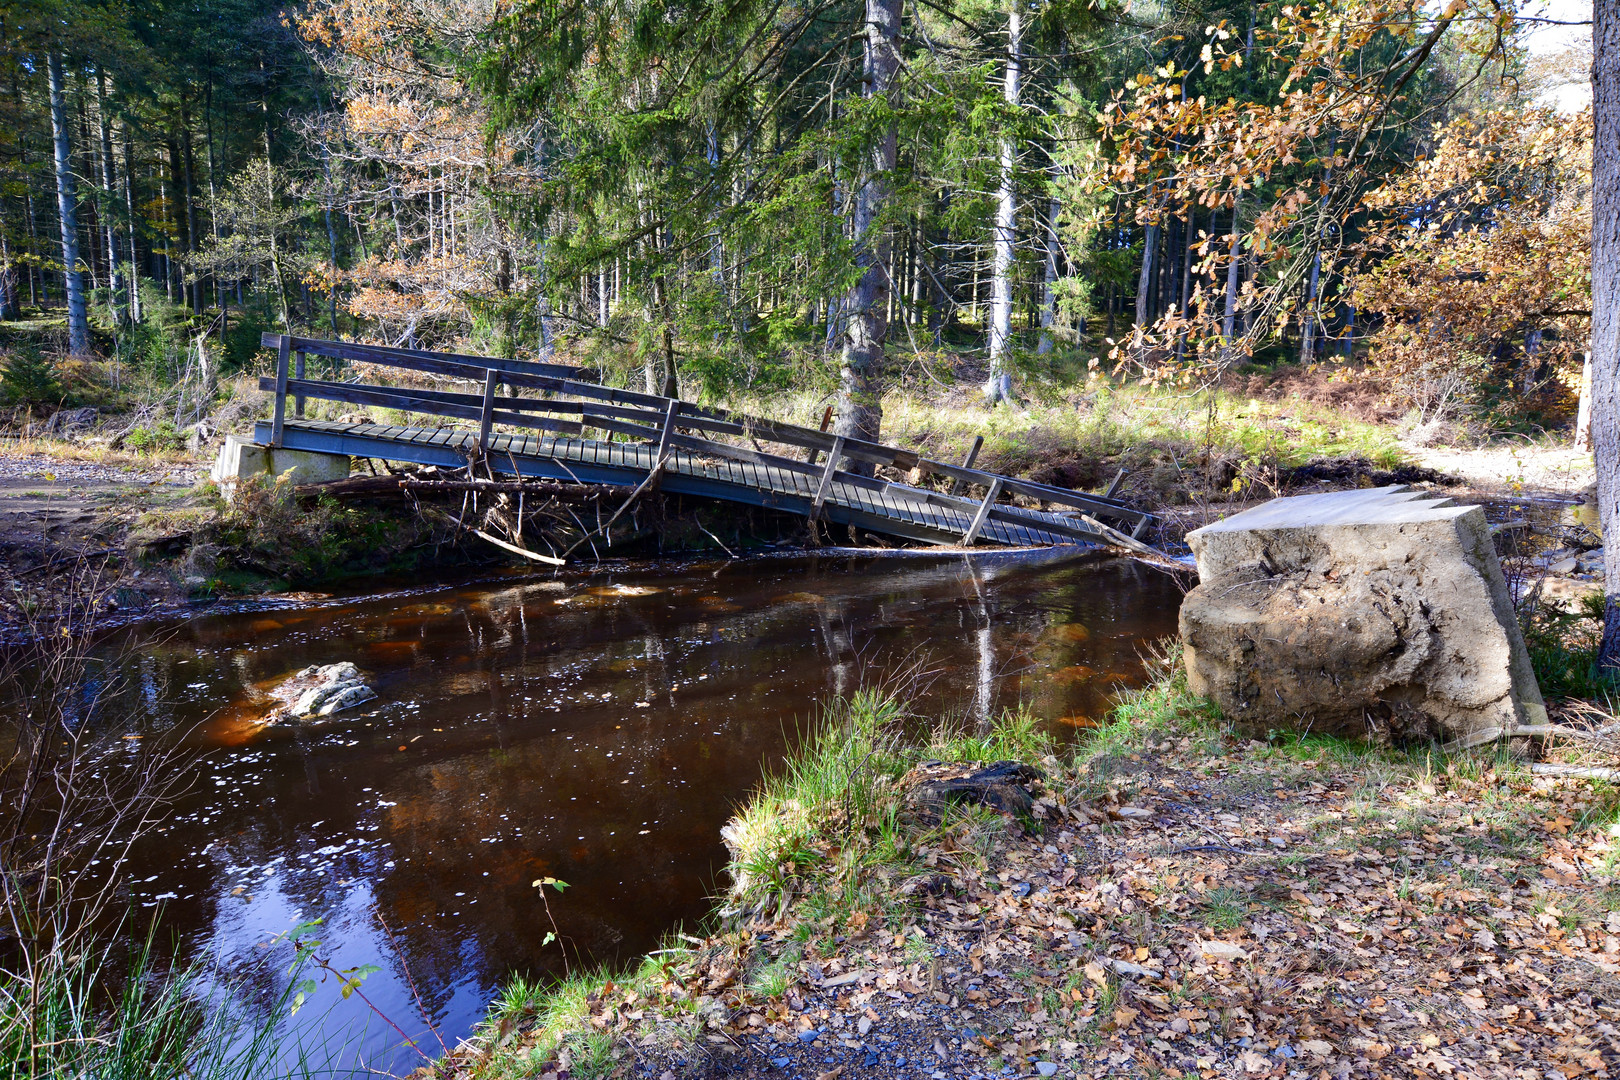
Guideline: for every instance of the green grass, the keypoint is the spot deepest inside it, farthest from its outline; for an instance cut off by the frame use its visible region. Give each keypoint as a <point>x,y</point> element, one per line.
<point>1225,908</point>
<point>1174,445</point>
<point>63,1020</point>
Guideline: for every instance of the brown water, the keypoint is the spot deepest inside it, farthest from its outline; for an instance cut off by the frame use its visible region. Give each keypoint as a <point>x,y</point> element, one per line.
<point>594,727</point>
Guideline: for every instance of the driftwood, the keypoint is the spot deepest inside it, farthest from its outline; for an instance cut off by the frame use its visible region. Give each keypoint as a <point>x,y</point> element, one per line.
<point>515,549</point>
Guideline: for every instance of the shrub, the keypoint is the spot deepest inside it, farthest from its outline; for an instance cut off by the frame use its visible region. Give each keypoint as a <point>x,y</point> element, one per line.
<point>29,379</point>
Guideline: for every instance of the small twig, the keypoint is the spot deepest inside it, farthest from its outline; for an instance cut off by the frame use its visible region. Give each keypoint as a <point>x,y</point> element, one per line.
<point>710,535</point>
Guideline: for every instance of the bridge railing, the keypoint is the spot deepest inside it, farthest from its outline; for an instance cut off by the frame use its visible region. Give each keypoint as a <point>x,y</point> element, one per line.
<point>652,419</point>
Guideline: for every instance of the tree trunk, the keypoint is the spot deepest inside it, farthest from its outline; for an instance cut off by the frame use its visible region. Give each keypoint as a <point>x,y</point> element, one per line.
<point>129,211</point>
<point>189,161</point>
<point>67,202</point>
<point>1144,284</point>
<point>1229,322</point>
<point>866,329</point>
<point>1606,309</point>
<point>8,282</point>
<point>1049,292</point>
<point>999,386</point>
<point>116,297</point>
<point>1307,322</point>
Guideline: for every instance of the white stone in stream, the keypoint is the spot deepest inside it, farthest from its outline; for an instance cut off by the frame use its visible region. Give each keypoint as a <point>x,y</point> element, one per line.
<point>334,687</point>
<point>1380,612</point>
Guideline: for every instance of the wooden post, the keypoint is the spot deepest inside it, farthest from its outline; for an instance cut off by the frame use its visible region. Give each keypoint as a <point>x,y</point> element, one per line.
<point>1119,478</point>
<point>279,417</point>
<point>833,457</point>
<point>298,373</point>
<point>665,434</point>
<point>967,463</point>
<point>984,512</point>
<point>826,421</point>
<point>486,415</point>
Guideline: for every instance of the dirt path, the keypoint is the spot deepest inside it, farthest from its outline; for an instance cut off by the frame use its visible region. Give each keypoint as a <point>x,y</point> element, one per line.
<point>57,514</point>
<point>1509,469</point>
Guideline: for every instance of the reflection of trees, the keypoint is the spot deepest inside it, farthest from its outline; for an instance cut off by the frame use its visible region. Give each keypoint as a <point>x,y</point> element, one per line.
<point>498,791</point>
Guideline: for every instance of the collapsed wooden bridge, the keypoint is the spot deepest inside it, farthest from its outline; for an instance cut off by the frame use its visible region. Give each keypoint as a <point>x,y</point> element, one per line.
<point>645,439</point>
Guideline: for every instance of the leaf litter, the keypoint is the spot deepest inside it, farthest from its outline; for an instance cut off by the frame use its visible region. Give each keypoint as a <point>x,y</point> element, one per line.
<point>1191,906</point>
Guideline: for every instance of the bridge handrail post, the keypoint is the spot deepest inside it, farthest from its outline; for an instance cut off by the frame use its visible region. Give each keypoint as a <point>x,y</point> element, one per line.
<point>983,515</point>
<point>967,463</point>
<point>486,414</point>
<point>279,417</point>
<point>298,373</point>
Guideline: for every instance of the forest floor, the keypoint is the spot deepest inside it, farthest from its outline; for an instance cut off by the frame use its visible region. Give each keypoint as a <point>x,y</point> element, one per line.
<point>1180,902</point>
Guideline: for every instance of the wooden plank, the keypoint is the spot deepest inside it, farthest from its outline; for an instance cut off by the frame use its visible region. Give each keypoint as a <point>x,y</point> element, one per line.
<point>279,418</point>
<point>834,456</point>
<point>298,373</point>
<point>486,409</point>
<point>983,515</point>
<point>967,463</point>
<point>1044,492</point>
<point>388,355</point>
<point>468,407</point>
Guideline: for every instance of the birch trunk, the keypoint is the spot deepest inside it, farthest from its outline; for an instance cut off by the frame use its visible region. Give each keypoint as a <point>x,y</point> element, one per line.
<point>1606,308</point>
<point>67,204</point>
<point>116,297</point>
<point>866,327</point>
<point>1229,323</point>
<point>998,387</point>
<point>129,212</point>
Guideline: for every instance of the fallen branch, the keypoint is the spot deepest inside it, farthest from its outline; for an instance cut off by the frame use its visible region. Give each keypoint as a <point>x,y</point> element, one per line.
<point>1559,731</point>
<point>652,479</point>
<point>1578,772</point>
<point>62,560</point>
<point>515,549</point>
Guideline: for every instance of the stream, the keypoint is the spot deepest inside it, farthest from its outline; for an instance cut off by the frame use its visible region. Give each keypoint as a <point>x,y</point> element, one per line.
<point>597,726</point>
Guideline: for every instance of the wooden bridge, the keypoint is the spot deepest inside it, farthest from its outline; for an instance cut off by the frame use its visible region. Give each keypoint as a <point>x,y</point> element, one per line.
<point>645,437</point>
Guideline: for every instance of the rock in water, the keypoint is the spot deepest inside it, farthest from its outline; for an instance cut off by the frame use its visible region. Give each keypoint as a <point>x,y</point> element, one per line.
<point>1379,613</point>
<point>322,690</point>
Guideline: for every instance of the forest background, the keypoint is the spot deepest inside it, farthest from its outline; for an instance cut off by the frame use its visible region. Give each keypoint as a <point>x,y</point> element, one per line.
<point>753,195</point>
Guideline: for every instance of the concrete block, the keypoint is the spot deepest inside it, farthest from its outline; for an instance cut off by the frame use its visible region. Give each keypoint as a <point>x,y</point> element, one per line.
<point>1379,612</point>
<point>239,459</point>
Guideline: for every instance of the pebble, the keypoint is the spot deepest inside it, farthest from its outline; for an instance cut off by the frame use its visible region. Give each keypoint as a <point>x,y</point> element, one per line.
<point>781,1062</point>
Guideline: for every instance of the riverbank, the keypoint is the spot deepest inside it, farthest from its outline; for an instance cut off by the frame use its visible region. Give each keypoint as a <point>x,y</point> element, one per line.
<point>135,501</point>
<point>1174,901</point>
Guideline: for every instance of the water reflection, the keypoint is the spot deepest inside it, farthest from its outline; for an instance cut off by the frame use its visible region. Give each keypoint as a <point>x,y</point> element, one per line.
<point>596,728</point>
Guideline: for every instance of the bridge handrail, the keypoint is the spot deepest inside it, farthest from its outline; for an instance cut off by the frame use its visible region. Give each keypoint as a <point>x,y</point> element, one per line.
<point>649,407</point>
